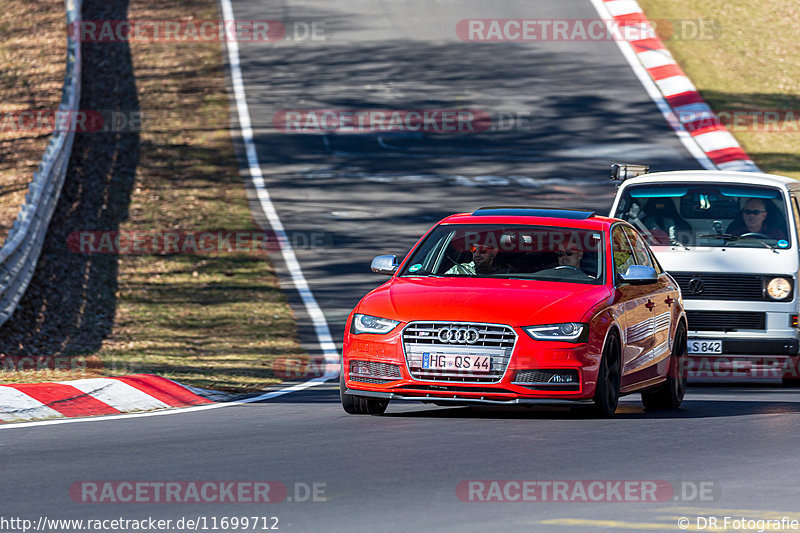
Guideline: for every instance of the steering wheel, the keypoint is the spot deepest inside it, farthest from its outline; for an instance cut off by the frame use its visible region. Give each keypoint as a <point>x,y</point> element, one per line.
<point>562,267</point>
<point>755,234</point>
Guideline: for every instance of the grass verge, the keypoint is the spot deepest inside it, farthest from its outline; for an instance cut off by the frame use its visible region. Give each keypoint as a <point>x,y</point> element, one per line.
<point>32,55</point>
<point>217,321</point>
<point>749,64</point>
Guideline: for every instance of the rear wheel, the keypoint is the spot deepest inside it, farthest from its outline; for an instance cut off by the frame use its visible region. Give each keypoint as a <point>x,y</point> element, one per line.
<point>606,395</point>
<point>669,394</point>
<point>360,405</point>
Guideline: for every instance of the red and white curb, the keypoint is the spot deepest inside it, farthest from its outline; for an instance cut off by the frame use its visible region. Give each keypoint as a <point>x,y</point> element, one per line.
<point>93,397</point>
<point>675,94</point>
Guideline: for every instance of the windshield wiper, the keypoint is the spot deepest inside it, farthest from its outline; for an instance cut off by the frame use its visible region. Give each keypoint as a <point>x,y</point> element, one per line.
<point>733,238</point>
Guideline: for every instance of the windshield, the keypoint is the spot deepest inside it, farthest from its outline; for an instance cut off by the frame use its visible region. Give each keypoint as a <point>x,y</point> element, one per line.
<point>522,252</point>
<point>707,215</point>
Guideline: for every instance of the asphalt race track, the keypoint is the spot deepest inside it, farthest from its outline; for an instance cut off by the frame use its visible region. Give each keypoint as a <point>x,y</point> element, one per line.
<point>400,472</point>
<point>729,451</point>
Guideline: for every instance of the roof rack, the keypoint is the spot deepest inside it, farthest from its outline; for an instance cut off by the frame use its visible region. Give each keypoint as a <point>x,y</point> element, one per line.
<point>524,211</point>
<point>622,171</point>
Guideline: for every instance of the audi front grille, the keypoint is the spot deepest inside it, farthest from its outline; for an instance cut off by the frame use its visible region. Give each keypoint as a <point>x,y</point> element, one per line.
<point>423,341</point>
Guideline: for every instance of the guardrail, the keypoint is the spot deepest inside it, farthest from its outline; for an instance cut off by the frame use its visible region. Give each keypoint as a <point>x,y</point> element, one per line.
<point>20,252</point>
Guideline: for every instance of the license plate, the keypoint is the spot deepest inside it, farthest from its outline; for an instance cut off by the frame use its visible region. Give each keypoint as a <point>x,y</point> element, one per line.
<point>705,346</point>
<point>472,363</point>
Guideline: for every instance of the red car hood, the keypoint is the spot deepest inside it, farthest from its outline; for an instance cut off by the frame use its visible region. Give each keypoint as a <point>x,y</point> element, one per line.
<point>503,301</point>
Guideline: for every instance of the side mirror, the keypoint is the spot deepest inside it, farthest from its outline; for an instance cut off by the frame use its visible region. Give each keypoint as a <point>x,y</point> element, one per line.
<point>385,264</point>
<point>640,275</point>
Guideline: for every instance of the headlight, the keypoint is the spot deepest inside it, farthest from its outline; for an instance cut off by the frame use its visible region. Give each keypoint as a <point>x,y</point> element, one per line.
<point>779,288</point>
<point>567,332</point>
<point>372,324</point>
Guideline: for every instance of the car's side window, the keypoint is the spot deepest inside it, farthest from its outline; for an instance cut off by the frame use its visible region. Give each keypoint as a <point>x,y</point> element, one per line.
<point>639,248</point>
<point>623,254</point>
<point>796,211</point>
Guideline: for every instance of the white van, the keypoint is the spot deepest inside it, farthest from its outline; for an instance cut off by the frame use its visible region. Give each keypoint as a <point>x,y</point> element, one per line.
<point>730,240</point>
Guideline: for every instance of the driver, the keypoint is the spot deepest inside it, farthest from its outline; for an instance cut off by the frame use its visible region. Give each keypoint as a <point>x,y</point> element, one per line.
<point>482,262</point>
<point>754,215</point>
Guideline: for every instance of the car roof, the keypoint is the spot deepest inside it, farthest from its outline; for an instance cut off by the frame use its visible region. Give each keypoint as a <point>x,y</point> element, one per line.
<point>533,216</point>
<point>711,176</point>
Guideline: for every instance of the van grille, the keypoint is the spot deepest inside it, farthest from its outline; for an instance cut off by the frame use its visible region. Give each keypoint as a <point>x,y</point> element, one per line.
<point>710,286</point>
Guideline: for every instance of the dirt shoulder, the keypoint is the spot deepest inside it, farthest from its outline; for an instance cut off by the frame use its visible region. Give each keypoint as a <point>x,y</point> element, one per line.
<point>33,45</point>
<point>210,320</point>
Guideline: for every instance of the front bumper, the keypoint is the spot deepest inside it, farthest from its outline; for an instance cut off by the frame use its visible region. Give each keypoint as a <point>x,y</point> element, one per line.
<point>527,355</point>
<point>748,348</point>
<point>476,400</point>
<point>752,358</point>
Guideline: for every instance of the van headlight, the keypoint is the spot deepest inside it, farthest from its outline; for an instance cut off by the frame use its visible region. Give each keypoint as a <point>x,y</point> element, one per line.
<point>779,288</point>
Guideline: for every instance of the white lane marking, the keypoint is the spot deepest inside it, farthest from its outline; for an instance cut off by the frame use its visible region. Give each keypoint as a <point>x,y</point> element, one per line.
<point>117,394</point>
<point>321,328</point>
<point>15,405</point>
<point>652,90</point>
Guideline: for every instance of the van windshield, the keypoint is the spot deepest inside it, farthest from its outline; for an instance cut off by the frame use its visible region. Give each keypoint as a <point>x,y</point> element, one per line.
<point>713,215</point>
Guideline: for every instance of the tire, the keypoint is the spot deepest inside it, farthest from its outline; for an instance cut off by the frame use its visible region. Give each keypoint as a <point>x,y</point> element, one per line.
<point>791,377</point>
<point>606,394</point>
<point>360,405</point>
<point>669,394</point>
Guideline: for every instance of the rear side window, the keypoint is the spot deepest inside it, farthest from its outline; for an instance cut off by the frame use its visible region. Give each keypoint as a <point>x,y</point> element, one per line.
<point>639,248</point>
<point>623,254</point>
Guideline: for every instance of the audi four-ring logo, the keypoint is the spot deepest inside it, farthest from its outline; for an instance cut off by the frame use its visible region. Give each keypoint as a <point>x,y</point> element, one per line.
<point>458,335</point>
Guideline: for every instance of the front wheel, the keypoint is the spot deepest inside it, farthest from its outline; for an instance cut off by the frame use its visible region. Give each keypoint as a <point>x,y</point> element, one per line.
<point>360,405</point>
<point>606,395</point>
<point>669,394</point>
<point>791,374</point>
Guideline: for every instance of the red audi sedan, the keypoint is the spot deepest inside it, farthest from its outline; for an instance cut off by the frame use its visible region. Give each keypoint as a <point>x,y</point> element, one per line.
<point>518,305</point>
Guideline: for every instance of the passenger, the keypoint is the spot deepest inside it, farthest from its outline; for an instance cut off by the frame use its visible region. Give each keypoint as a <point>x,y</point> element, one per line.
<point>482,262</point>
<point>754,220</point>
<point>569,264</point>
